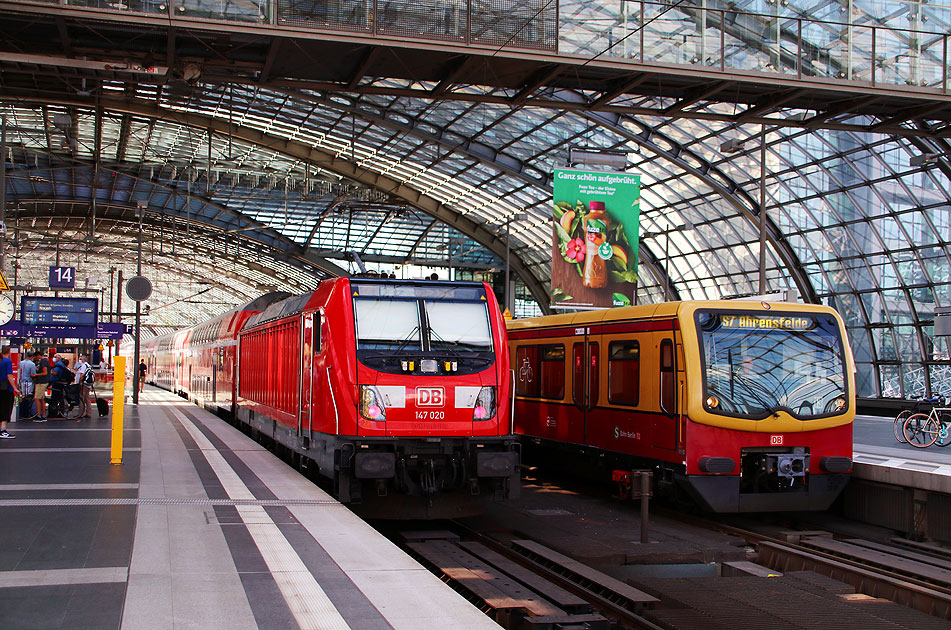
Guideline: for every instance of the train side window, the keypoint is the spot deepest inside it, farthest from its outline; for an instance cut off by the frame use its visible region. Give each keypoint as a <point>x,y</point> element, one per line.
<point>624,372</point>
<point>667,376</point>
<point>577,374</point>
<point>594,384</point>
<point>553,371</point>
<point>526,371</point>
<point>318,336</point>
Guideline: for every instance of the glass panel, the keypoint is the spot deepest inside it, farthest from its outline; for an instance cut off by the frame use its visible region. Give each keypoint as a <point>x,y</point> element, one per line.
<point>624,370</point>
<point>941,380</point>
<point>387,324</point>
<point>457,326</point>
<point>866,383</point>
<point>891,381</point>
<point>553,371</point>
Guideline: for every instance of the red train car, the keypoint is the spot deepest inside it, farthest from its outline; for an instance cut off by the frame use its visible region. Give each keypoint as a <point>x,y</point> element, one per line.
<point>200,363</point>
<point>398,392</point>
<point>747,406</point>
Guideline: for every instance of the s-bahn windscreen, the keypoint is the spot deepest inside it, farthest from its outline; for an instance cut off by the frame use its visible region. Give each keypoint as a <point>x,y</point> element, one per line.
<point>755,364</point>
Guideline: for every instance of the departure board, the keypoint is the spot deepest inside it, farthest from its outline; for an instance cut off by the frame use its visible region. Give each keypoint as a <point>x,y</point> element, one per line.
<point>53,311</point>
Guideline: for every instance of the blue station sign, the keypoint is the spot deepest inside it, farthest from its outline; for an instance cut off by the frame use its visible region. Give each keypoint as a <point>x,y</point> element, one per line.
<point>101,331</point>
<point>55,311</point>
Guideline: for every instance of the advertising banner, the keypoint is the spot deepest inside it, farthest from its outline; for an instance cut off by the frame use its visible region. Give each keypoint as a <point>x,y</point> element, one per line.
<point>594,249</point>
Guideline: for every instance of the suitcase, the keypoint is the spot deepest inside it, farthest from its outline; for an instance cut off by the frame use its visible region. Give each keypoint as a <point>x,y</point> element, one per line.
<point>27,409</point>
<point>102,406</point>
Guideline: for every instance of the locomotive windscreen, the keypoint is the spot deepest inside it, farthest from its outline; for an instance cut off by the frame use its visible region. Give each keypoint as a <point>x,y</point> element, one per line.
<point>405,327</point>
<point>414,325</point>
<point>755,364</point>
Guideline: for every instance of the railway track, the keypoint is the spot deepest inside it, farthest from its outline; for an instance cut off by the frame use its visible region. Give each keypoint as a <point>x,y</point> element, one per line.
<point>524,584</point>
<point>916,575</point>
<point>528,585</point>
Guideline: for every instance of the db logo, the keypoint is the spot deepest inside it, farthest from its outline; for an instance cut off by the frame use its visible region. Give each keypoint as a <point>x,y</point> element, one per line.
<point>430,397</point>
<point>775,440</point>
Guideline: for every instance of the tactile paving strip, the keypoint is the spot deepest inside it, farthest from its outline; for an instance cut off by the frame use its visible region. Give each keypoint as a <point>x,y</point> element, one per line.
<point>159,501</point>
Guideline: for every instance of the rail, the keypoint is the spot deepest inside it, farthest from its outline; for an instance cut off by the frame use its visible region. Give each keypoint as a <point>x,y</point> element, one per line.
<point>864,49</point>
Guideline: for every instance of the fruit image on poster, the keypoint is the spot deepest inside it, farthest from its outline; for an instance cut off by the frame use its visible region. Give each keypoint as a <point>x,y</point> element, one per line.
<point>594,249</point>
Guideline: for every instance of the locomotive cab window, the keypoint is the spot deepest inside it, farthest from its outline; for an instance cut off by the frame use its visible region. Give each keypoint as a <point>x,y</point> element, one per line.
<point>624,373</point>
<point>434,329</point>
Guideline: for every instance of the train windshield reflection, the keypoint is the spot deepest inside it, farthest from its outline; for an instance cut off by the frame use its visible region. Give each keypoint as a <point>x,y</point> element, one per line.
<point>387,324</point>
<point>459,326</point>
<point>755,364</point>
<point>396,326</point>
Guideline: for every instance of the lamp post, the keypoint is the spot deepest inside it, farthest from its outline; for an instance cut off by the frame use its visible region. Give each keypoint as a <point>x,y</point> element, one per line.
<point>139,210</point>
<point>654,235</point>
<point>518,216</point>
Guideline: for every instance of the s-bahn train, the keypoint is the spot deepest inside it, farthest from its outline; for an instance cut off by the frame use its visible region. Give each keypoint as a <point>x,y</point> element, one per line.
<point>746,406</point>
<point>396,392</point>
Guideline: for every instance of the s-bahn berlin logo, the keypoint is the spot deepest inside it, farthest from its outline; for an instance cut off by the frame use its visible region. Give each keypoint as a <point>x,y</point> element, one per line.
<point>430,397</point>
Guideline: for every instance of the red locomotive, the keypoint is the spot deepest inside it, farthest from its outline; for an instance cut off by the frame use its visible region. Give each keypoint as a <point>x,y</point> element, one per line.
<point>395,391</point>
<point>746,406</point>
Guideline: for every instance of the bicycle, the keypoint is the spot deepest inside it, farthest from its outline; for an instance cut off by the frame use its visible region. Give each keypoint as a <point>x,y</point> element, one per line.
<point>922,430</point>
<point>906,413</point>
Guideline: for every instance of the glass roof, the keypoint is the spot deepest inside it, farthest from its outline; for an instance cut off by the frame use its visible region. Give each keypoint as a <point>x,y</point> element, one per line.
<point>274,188</point>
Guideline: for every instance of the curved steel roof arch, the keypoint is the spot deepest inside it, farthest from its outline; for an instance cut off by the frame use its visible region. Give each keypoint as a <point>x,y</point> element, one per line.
<point>299,150</point>
<point>179,203</point>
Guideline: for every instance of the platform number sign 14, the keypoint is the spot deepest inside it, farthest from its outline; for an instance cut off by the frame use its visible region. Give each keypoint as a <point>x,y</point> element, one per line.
<point>62,277</point>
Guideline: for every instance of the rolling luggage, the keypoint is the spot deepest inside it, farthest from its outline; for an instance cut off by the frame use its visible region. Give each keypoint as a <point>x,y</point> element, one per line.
<point>27,409</point>
<point>102,406</point>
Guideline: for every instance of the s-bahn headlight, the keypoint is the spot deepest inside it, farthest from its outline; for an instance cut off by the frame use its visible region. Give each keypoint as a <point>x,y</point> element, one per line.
<point>713,402</point>
<point>485,404</point>
<point>371,404</point>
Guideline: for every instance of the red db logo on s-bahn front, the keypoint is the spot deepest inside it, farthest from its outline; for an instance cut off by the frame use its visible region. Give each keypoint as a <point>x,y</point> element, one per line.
<point>430,397</point>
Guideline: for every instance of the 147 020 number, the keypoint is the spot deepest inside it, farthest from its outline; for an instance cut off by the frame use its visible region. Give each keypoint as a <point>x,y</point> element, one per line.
<point>430,415</point>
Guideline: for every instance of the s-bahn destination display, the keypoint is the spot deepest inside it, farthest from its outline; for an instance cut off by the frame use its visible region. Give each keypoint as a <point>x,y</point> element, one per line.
<point>49,312</point>
<point>595,238</point>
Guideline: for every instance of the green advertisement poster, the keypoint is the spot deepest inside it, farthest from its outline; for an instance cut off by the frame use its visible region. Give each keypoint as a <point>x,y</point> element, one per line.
<point>594,249</point>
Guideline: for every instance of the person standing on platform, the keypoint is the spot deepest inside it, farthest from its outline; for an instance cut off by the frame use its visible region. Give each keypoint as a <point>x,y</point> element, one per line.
<point>81,368</point>
<point>27,372</point>
<point>143,368</point>
<point>8,389</point>
<point>41,382</point>
<point>60,377</point>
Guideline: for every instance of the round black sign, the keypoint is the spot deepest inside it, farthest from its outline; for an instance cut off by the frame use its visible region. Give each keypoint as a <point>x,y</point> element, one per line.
<point>138,288</point>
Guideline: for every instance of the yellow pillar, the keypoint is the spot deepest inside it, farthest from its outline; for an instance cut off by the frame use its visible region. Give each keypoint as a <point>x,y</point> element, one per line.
<point>118,406</point>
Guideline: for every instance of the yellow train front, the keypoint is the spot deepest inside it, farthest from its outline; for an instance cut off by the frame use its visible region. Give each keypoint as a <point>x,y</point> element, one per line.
<point>747,406</point>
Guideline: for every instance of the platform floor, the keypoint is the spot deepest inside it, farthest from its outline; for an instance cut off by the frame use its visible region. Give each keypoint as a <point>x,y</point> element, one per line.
<point>199,527</point>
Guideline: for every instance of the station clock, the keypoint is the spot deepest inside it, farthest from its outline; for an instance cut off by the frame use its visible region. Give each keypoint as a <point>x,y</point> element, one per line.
<point>7,309</point>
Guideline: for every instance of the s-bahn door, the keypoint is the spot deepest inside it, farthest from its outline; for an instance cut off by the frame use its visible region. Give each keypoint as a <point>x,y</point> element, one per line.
<point>668,430</point>
<point>307,374</point>
<point>584,379</point>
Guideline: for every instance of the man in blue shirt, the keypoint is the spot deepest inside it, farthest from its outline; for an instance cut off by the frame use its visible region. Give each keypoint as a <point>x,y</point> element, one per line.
<point>8,389</point>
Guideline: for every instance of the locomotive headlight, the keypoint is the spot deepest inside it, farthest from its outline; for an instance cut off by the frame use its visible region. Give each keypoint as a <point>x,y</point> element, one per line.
<point>371,404</point>
<point>485,404</point>
<point>713,402</point>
